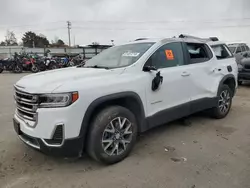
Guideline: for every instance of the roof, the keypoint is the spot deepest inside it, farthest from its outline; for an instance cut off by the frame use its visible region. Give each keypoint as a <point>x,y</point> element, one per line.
<point>182,38</point>
<point>236,44</point>
<point>214,43</point>
<point>166,40</point>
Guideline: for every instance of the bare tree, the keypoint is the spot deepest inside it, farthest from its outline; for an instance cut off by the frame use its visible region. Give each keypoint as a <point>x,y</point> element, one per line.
<point>10,38</point>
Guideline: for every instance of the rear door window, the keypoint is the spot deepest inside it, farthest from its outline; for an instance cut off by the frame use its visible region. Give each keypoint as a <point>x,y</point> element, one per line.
<point>198,52</point>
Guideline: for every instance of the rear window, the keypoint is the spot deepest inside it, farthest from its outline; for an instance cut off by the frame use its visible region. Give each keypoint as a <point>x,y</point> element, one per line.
<point>199,52</point>
<point>232,49</point>
<point>243,48</point>
<point>221,51</point>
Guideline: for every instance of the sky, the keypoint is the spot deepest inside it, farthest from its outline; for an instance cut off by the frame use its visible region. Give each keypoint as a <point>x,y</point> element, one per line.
<point>125,20</point>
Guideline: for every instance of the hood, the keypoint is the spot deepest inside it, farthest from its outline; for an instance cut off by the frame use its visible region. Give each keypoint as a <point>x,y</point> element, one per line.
<point>47,82</point>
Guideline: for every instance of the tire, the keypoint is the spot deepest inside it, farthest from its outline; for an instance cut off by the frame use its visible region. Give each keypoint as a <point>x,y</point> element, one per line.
<point>18,68</point>
<point>52,66</point>
<point>42,67</point>
<point>34,68</point>
<point>223,104</point>
<point>240,82</point>
<point>1,68</point>
<point>101,144</point>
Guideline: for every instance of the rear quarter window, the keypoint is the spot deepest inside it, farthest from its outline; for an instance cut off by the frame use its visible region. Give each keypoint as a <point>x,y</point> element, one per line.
<point>221,51</point>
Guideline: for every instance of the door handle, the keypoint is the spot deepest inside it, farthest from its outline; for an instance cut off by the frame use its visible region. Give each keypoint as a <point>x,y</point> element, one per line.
<point>216,70</point>
<point>185,74</point>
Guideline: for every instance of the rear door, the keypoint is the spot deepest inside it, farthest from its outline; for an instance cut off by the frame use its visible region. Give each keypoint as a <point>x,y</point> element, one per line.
<point>201,67</point>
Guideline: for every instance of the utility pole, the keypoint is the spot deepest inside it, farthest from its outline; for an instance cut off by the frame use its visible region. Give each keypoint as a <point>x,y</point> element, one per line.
<point>74,40</point>
<point>69,27</point>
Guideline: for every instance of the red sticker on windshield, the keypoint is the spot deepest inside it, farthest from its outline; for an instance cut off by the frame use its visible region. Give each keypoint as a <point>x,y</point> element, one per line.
<point>169,54</point>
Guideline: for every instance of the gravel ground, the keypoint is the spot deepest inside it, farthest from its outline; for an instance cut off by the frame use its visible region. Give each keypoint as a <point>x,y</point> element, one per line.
<point>198,153</point>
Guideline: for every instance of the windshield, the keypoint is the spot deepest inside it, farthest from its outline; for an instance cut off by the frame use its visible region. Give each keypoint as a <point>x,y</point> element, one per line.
<point>232,49</point>
<point>119,56</point>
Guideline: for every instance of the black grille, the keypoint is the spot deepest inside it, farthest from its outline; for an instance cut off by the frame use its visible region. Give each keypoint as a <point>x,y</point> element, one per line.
<point>57,137</point>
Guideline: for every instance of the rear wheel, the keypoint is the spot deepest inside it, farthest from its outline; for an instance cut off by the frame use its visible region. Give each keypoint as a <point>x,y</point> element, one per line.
<point>34,68</point>
<point>53,66</point>
<point>112,135</point>
<point>1,70</point>
<point>42,66</point>
<point>223,104</point>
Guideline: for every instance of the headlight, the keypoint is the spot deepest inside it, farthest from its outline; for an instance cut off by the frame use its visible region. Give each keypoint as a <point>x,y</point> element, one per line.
<point>57,100</point>
<point>240,67</point>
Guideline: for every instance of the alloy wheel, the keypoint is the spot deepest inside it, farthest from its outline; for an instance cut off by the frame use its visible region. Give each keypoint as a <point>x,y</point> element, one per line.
<point>224,101</point>
<point>117,136</point>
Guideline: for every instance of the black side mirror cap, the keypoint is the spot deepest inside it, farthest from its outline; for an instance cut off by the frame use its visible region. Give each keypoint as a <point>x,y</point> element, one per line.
<point>149,68</point>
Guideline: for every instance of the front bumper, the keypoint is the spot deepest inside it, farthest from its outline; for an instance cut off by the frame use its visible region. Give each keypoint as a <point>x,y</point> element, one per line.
<point>68,148</point>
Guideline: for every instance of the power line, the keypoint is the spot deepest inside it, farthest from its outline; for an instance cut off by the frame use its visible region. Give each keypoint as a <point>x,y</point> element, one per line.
<point>158,28</point>
<point>28,25</point>
<point>161,21</point>
<point>129,22</point>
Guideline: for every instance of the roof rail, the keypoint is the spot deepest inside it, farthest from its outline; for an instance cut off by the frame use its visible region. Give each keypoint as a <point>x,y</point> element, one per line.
<point>204,39</point>
<point>141,39</point>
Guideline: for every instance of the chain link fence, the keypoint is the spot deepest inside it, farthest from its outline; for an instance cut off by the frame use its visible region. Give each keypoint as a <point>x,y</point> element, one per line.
<point>87,52</point>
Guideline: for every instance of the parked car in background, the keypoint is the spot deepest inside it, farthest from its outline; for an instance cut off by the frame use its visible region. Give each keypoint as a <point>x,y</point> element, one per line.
<point>244,69</point>
<point>238,50</point>
<point>241,52</point>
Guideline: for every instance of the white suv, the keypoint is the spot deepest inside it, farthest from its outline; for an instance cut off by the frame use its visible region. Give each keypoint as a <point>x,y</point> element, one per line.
<point>102,106</point>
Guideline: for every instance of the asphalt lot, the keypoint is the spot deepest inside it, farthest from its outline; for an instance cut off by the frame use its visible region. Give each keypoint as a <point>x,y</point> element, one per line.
<point>201,153</point>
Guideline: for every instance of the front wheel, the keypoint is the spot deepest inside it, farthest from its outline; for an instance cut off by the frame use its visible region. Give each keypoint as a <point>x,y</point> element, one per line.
<point>112,135</point>
<point>18,68</point>
<point>240,82</point>
<point>223,104</point>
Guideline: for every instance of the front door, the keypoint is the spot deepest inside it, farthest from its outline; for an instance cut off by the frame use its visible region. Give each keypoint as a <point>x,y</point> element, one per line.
<point>170,100</point>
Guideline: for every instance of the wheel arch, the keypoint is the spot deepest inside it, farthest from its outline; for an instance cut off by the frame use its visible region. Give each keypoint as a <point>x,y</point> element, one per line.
<point>229,80</point>
<point>129,100</point>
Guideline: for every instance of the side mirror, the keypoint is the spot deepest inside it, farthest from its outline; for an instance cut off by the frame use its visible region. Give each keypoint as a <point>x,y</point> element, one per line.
<point>149,68</point>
